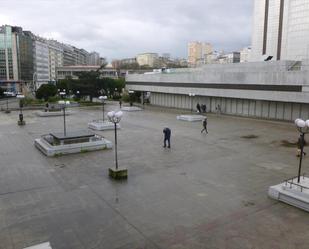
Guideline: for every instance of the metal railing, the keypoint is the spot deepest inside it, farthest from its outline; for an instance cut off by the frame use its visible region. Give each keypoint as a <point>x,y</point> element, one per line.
<point>291,183</point>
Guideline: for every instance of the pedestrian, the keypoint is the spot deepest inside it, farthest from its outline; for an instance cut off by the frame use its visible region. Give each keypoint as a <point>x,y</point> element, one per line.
<point>120,103</point>
<point>204,125</point>
<point>203,108</point>
<point>218,109</point>
<point>198,107</point>
<point>47,107</point>
<point>300,144</point>
<point>167,137</point>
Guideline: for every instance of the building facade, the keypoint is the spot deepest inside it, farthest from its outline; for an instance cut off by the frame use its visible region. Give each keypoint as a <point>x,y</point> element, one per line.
<point>9,58</point>
<point>41,62</point>
<point>55,50</point>
<point>73,71</point>
<point>280,30</point>
<point>245,54</point>
<point>198,52</point>
<point>147,59</point>
<point>271,90</point>
<point>94,59</point>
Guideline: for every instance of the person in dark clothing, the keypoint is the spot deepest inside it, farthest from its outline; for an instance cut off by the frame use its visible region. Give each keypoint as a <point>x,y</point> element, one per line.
<point>167,137</point>
<point>203,108</point>
<point>47,107</point>
<point>120,103</point>
<point>300,143</point>
<point>204,126</point>
<point>198,107</point>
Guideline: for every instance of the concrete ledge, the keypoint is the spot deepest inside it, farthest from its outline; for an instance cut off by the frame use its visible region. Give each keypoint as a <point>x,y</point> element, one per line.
<point>53,114</point>
<point>295,195</point>
<point>118,174</point>
<point>40,246</point>
<point>191,118</point>
<point>59,150</point>
<point>21,122</point>
<point>131,108</point>
<point>101,126</point>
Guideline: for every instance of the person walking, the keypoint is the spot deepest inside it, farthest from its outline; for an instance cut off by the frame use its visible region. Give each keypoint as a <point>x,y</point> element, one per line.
<point>167,137</point>
<point>203,108</point>
<point>120,103</point>
<point>204,126</point>
<point>299,145</point>
<point>198,107</point>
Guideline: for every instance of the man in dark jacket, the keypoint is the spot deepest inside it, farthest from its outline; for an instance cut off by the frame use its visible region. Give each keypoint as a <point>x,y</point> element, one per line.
<point>204,125</point>
<point>198,107</point>
<point>167,137</point>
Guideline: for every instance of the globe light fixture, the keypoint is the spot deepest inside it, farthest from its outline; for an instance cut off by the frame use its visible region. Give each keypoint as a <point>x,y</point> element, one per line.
<point>21,120</point>
<point>191,95</point>
<point>303,128</point>
<point>116,173</point>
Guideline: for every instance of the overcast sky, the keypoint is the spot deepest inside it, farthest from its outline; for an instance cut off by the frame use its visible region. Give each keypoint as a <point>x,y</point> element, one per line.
<point>124,28</point>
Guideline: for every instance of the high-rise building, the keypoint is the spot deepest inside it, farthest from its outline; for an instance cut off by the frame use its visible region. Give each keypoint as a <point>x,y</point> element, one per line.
<point>8,54</point>
<point>41,61</point>
<point>26,56</point>
<point>148,59</point>
<point>94,59</point>
<point>81,56</point>
<point>55,58</point>
<point>280,30</point>
<point>245,54</point>
<point>68,55</point>
<point>198,52</point>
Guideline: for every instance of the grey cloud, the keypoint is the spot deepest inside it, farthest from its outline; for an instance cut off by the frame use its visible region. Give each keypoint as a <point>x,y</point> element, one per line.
<point>123,28</point>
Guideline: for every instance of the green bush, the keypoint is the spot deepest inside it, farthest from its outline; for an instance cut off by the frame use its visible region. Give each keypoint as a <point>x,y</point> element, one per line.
<point>46,91</point>
<point>54,99</point>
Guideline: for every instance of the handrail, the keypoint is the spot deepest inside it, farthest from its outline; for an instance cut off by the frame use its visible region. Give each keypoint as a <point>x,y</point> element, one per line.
<point>290,181</point>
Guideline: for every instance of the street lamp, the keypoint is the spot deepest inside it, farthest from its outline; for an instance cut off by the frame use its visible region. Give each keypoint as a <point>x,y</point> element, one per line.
<point>103,98</point>
<point>130,94</point>
<point>116,173</point>
<point>63,104</point>
<point>7,101</point>
<point>34,76</point>
<point>191,95</point>
<point>303,128</point>
<point>62,93</point>
<point>21,120</point>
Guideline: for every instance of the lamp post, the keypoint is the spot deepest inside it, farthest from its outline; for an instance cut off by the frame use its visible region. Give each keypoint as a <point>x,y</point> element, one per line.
<point>191,95</point>
<point>303,128</point>
<point>103,98</point>
<point>34,76</point>
<point>21,120</point>
<point>62,93</point>
<point>130,94</point>
<point>63,104</point>
<point>7,101</point>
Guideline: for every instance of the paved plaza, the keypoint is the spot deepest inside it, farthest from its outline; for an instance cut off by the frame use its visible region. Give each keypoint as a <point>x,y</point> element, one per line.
<point>207,191</point>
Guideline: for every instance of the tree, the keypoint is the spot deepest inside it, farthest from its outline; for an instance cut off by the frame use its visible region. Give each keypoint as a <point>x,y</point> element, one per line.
<point>45,91</point>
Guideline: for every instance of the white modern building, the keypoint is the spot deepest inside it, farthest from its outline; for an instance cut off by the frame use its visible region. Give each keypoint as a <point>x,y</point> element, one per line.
<point>280,30</point>
<point>271,90</point>
<point>245,54</point>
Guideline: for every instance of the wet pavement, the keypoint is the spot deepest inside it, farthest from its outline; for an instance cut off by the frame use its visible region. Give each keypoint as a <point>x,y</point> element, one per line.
<point>207,191</point>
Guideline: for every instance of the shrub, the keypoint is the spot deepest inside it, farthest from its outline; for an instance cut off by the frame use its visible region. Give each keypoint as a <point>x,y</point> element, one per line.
<point>46,91</point>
